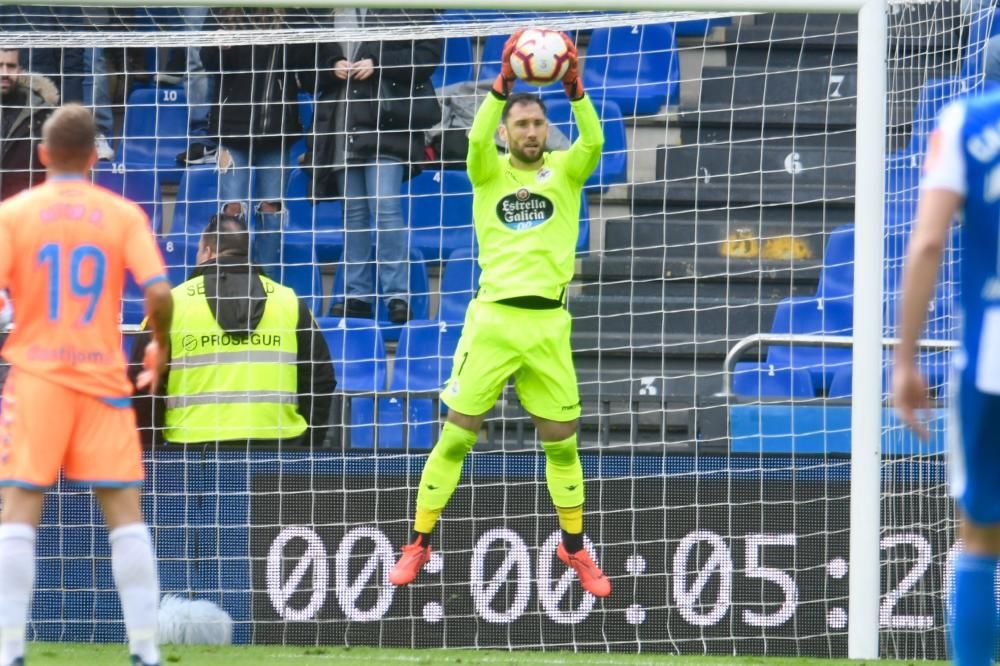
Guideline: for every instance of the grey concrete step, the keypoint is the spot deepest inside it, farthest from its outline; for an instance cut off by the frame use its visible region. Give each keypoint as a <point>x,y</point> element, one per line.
<point>752,173</point>
<point>703,316</point>
<point>766,233</point>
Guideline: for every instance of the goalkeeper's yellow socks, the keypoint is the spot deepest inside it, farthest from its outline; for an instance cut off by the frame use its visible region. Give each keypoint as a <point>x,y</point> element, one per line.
<point>424,523</point>
<point>571,523</point>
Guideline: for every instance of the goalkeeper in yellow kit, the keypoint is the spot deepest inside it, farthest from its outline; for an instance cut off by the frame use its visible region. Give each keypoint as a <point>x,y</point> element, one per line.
<point>526,207</point>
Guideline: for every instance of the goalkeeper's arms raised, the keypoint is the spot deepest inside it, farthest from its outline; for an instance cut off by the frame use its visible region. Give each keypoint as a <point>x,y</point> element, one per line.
<point>481,161</point>
<point>585,152</point>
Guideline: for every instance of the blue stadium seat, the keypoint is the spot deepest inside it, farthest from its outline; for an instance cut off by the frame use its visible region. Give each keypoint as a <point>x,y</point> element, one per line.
<point>699,27</point>
<point>156,130</point>
<point>459,282</point>
<point>307,282</point>
<point>754,381</point>
<point>138,185</point>
<point>456,63</point>
<point>197,201</point>
<point>311,226</point>
<point>935,93</point>
<point>180,255</point>
<point>837,276</point>
<point>358,355</point>
<point>614,162</point>
<point>423,363</point>
<point>439,213</point>
<point>933,365</point>
<point>812,316</point>
<point>634,66</point>
<point>419,296</point>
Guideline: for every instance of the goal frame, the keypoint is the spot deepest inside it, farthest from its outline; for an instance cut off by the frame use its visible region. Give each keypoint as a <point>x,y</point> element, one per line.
<point>866,401</point>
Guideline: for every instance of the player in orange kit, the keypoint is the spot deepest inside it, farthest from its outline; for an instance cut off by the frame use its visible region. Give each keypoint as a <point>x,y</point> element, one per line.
<point>64,248</point>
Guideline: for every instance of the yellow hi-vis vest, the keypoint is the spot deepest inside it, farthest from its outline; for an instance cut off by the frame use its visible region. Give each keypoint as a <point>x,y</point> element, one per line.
<point>224,387</point>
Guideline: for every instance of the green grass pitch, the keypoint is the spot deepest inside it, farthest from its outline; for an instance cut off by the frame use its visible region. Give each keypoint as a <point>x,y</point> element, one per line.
<point>83,654</point>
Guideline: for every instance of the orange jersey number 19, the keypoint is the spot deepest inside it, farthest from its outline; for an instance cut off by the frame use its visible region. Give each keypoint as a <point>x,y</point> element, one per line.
<point>86,270</point>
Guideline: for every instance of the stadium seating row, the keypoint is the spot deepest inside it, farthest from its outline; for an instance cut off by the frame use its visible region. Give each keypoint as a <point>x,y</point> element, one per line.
<point>806,372</point>
<point>459,281</point>
<point>422,364</point>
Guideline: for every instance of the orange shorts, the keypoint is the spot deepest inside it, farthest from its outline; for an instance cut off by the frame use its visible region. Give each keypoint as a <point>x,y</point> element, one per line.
<point>45,426</point>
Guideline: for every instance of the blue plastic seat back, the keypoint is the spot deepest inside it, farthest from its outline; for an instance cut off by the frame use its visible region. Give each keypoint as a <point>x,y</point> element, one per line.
<point>699,27</point>
<point>635,66</point>
<point>358,355</point>
<point>439,210</point>
<point>762,380</point>
<point>813,316</point>
<point>424,355</point>
<point>456,63</point>
<point>357,352</point>
<point>459,283</point>
<point>307,282</point>
<point>613,165</point>
<point>155,131</point>
<point>137,185</point>
<point>317,229</point>
<point>180,255</point>
<point>197,200</point>
<point>837,276</point>
<point>935,93</point>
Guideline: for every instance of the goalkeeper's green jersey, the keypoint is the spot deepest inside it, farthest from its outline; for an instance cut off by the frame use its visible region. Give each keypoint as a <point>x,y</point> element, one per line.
<point>527,222</point>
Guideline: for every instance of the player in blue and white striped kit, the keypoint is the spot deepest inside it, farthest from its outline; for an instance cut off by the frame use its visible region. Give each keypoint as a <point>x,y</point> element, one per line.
<point>962,176</point>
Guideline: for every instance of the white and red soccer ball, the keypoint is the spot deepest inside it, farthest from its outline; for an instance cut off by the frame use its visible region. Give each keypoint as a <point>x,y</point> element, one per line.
<point>540,57</point>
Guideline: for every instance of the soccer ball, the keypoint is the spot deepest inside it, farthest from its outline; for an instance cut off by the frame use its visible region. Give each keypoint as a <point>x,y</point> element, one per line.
<point>540,57</point>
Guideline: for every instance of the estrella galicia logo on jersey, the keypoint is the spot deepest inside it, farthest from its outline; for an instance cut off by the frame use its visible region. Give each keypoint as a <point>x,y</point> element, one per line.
<point>524,210</point>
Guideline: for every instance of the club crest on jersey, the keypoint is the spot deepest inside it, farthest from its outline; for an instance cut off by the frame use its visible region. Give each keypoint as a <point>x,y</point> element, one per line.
<point>524,210</point>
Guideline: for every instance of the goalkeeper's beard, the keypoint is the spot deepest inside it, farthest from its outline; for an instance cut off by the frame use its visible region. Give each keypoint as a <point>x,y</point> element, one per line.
<point>529,156</point>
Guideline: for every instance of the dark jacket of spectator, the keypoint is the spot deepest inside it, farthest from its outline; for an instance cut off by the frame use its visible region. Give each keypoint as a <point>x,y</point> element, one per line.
<point>257,91</point>
<point>238,306</point>
<point>350,124</point>
<point>23,109</point>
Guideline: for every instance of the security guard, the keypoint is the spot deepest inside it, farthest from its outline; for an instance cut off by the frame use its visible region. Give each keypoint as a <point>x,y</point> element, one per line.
<point>247,362</point>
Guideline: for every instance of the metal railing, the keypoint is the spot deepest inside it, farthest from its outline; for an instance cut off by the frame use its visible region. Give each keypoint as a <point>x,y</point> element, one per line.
<point>835,341</point>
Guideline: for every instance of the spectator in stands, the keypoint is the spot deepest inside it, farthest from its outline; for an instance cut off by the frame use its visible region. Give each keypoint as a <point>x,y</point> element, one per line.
<point>256,120</point>
<point>248,363</point>
<point>79,74</point>
<point>199,86</point>
<point>362,151</point>
<point>25,102</point>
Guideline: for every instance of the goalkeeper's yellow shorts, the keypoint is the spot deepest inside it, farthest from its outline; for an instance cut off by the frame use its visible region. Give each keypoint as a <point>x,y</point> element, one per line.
<point>499,341</point>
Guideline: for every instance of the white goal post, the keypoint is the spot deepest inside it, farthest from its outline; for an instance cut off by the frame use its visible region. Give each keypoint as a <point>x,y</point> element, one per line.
<point>869,199</point>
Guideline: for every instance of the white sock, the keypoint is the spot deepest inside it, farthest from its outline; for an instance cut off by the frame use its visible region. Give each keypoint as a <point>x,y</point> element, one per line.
<point>17,578</point>
<point>134,570</point>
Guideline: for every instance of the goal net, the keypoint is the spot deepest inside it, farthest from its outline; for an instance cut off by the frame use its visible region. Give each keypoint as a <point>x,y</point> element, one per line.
<point>713,304</point>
